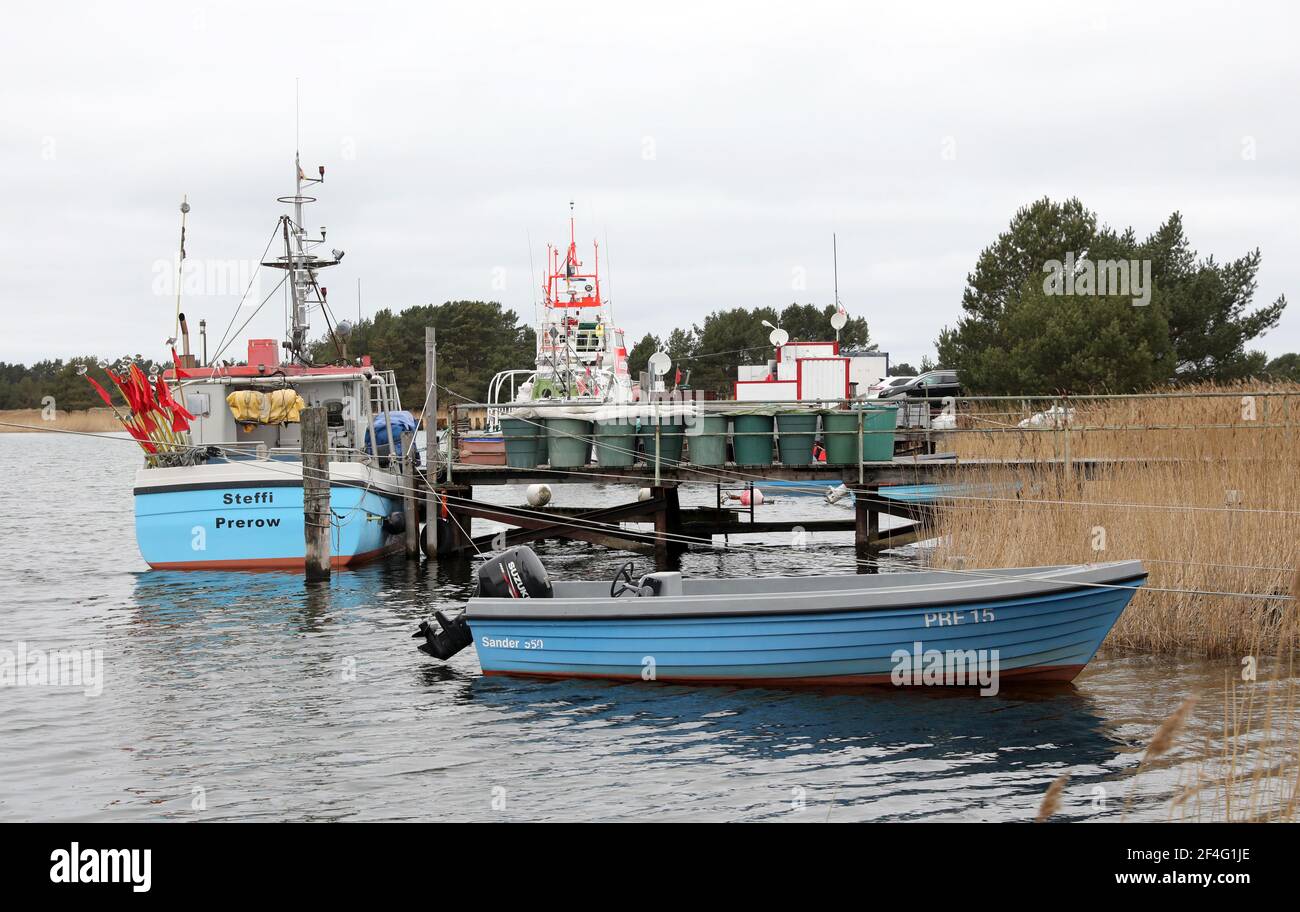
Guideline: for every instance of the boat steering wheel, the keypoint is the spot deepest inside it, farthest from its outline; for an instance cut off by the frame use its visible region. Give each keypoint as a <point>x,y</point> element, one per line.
<point>623,581</point>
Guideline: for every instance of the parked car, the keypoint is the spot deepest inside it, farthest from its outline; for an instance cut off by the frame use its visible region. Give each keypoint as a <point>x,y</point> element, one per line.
<point>876,390</point>
<point>930,385</point>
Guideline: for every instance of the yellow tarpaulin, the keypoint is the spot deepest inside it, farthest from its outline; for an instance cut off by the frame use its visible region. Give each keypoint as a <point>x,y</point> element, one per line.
<point>246,405</point>
<point>283,405</point>
<point>278,407</point>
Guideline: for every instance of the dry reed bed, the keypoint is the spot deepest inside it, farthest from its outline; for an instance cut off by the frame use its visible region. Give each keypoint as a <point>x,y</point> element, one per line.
<point>1219,524</point>
<point>32,421</point>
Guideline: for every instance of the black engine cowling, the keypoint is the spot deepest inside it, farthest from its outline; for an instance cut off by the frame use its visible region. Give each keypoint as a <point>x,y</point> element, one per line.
<point>515,573</point>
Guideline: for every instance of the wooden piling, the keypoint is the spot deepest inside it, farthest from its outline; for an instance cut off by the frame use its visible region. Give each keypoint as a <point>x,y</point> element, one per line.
<point>410,504</point>
<point>661,527</point>
<point>668,527</point>
<point>866,528</point>
<point>316,517</point>
<point>454,532</point>
<point>431,441</point>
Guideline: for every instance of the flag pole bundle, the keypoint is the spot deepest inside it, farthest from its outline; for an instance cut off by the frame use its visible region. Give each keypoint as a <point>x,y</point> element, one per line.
<point>158,422</point>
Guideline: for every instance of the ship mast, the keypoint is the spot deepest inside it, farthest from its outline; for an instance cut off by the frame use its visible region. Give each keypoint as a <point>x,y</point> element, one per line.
<point>302,265</point>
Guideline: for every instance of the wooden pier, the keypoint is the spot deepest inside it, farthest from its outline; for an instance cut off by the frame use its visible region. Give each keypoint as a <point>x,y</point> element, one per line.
<point>677,528</point>
<point>450,507</point>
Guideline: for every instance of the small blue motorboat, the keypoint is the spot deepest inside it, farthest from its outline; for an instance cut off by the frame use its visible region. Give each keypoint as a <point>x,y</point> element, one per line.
<point>969,627</point>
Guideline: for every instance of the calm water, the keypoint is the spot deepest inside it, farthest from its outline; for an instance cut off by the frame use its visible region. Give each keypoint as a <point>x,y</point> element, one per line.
<point>260,699</point>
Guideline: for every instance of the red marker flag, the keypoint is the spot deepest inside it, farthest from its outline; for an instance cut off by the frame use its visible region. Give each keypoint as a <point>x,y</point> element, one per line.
<point>139,400</point>
<point>147,401</point>
<point>142,437</point>
<point>103,393</point>
<point>176,366</point>
<point>181,416</point>
<point>128,393</point>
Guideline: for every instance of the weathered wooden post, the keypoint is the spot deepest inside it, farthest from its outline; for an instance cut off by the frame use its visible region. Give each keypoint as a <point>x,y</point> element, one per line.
<point>862,417</point>
<point>658,444</point>
<point>431,441</point>
<point>663,552</point>
<point>316,493</point>
<point>866,531</point>
<point>410,503</point>
<point>457,539</point>
<point>452,415</point>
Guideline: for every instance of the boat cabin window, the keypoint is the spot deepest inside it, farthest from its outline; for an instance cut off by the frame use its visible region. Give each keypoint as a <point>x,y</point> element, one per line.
<point>334,413</point>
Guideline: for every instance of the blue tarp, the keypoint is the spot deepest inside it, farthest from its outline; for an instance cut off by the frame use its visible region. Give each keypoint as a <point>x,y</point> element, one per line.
<point>401,423</point>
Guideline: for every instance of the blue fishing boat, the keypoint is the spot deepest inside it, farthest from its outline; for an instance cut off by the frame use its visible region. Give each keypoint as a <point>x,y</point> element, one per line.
<point>928,627</point>
<point>221,487</point>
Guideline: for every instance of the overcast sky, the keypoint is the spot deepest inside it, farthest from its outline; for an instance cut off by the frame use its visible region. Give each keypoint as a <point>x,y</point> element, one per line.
<point>711,148</point>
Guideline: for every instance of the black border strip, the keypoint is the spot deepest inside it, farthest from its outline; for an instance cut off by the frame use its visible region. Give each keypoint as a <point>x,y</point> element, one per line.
<point>228,485</point>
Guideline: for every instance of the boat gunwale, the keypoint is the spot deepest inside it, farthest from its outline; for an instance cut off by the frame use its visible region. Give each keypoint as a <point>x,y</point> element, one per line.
<point>1121,575</point>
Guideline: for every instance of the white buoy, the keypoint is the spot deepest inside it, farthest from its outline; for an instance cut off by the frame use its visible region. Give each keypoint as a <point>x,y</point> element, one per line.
<point>837,493</point>
<point>538,495</point>
<point>644,494</point>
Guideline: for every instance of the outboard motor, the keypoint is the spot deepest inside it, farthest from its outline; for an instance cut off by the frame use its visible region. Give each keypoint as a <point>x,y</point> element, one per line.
<point>444,643</point>
<point>514,573</point>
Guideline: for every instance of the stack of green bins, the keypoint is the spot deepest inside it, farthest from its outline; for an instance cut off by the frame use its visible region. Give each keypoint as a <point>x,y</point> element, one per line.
<point>707,440</point>
<point>615,442</point>
<point>568,442</point>
<point>796,434</point>
<point>752,439</point>
<point>521,438</point>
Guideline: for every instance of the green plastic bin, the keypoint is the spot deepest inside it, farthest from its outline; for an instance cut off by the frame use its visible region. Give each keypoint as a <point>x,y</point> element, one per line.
<point>568,442</point>
<point>879,425</point>
<point>521,439</point>
<point>671,436</point>
<point>752,439</point>
<point>841,431</point>
<point>615,443</point>
<point>706,440</point>
<point>796,433</point>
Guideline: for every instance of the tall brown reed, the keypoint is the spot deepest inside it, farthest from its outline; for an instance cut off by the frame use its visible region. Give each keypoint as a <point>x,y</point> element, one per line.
<point>1204,488</point>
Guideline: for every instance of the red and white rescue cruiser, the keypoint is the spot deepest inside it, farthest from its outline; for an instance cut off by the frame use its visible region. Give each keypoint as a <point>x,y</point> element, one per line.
<point>581,354</point>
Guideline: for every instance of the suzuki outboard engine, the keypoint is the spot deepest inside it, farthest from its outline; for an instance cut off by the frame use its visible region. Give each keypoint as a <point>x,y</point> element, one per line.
<point>444,643</point>
<point>515,573</point>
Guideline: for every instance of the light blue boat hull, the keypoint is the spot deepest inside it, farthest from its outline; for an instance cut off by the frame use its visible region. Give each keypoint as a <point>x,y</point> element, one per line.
<point>218,528</point>
<point>1043,637</point>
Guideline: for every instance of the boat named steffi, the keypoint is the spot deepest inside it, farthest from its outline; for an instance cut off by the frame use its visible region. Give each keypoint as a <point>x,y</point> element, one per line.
<point>221,487</point>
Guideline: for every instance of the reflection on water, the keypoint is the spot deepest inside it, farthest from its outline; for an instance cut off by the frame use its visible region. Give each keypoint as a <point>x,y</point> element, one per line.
<point>255,696</point>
